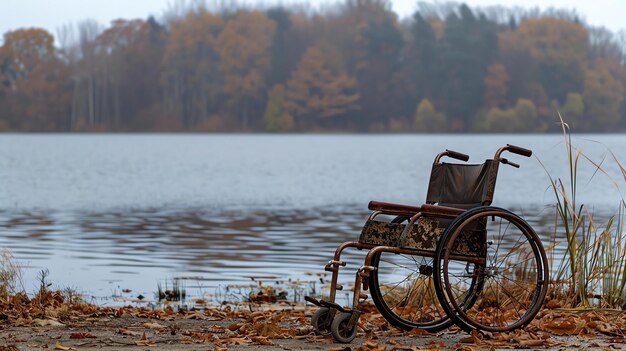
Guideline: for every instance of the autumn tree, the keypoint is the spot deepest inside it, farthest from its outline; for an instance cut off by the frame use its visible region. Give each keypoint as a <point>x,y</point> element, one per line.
<point>277,119</point>
<point>496,86</point>
<point>522,117</point>
<point>573,110</point>
<point>316,92</point>
<point>126,73</point>
<point>603,96</point>
<point>375,46</point>
<point>559,47</point>
<point>23,51</point>
<point>356,67</point>
<point>35,82</point>
<point>527,118</point>
<point>427,119</point>
<point>518,63</point>
<point>191,79</point>
<point>243,48</point>
<point>500,121</point>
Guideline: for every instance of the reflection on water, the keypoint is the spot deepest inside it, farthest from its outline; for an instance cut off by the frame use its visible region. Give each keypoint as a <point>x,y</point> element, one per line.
<point>106,252</point>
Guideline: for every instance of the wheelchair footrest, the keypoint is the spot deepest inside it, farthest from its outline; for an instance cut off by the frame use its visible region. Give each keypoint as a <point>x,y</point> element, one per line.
<point>333,305</point>
<point>322,303</point>
<point>313,301</point>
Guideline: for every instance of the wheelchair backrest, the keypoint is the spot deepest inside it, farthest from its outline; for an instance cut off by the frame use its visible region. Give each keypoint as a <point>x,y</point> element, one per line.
<point>461,185</point>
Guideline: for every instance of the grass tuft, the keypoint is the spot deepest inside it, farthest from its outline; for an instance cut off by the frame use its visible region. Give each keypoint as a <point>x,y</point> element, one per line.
<point>592,271</point>
<point>10,275</point>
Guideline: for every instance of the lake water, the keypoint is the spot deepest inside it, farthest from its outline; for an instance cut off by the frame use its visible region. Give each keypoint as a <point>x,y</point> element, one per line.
<point>111,212</point>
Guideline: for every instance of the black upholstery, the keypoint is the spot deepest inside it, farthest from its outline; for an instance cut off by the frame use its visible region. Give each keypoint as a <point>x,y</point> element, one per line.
<point>461,185</point>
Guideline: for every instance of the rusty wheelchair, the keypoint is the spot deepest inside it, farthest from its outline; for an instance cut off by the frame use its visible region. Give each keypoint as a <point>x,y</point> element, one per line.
<point>454,260</point>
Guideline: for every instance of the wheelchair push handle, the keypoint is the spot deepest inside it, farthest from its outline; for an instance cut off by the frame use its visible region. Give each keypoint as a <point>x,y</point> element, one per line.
<point>514,149</point>
<point>452,154</point>
<point>519,150</point>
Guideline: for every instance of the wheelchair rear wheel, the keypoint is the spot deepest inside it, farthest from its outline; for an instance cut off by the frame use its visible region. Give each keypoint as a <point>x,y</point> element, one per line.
<point>402,288</point>
<point>512,279</point>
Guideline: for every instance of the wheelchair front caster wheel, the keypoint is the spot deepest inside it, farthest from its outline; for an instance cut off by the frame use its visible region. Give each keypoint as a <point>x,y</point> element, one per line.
<point>341,329</point>
<point>321,321</point>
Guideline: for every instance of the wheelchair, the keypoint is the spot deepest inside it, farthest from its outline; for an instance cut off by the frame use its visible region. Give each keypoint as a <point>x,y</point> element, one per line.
<point>454,260</point>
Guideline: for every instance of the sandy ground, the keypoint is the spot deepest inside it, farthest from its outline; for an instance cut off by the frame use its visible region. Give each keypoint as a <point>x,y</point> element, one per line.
<point>124,333</point>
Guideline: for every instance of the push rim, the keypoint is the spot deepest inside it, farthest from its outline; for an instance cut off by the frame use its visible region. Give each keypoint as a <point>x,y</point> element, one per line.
<point>513,280</point>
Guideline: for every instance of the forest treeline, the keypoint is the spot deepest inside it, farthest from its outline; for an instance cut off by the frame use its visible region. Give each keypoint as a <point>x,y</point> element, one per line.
<point>354,66</point>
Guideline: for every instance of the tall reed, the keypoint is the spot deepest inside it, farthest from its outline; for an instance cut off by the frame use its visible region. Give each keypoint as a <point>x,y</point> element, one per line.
<point>594,263</point>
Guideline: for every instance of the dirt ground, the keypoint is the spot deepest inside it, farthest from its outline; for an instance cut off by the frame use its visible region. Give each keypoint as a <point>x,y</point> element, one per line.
<point>128,332</point>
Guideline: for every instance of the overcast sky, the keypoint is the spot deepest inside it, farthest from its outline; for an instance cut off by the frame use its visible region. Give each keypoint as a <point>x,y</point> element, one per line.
<point>51,14</point>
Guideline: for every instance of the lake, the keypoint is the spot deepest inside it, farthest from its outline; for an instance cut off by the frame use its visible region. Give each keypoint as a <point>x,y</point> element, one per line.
<point>125,211</point>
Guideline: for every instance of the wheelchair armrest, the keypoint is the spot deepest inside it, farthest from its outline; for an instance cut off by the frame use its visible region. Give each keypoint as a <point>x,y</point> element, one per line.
<point>390,208</point>
<point>441,211</point>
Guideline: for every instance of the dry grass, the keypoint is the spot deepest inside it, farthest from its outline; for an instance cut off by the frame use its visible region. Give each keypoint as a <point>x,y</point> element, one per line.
<point>10,275</point>
<point>593,269</point>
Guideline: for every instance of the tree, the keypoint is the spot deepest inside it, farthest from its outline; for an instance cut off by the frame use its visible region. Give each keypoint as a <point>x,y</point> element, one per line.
<point>374,47</point>
<point>527,118</point>
<point>573,110</point>
<point>35,82</point>
<point>500,121</point>
<point>603,96</point>
<point>469,47</point>
<point>276,117</point>
<point>316,92</point>
<point>496,86</point>
<point>127,73</point>
<point>243,47</point>
<point>559,47</point>
<point>23,51</point>
<point>521,118</point>
<point>191,78</point>
<point>518,63</point>
<point>427,119</point>
<point>422,64</point>
<point>281,63</point>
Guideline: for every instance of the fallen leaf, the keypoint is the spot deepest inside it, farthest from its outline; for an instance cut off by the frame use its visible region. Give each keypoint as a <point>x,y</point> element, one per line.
<point>155,326</point>
<point>126,331</point>
<point>262,340</point>
<point>238,341</point>
<point>20,322</point>
<point>532,343</point>
<point>82,335</point>
<point>234,326</point>
<point>216,329</point>
<point>473,338</point>
<point>554,303</point>
<point>569,326</point>
<point>144,341</point>
<point>58,346</point>
<point>45,322</point>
